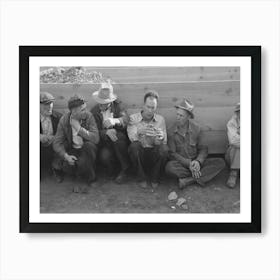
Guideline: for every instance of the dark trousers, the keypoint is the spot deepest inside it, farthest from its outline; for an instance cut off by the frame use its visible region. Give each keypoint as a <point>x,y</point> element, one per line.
<point>48,157</point>
<point>148,161</point>
<point>112,154</point>
<point>84,167</point>
<point>210,168</point>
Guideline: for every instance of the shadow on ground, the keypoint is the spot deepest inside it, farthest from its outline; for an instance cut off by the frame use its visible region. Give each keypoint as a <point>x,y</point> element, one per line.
<point>109,197</point>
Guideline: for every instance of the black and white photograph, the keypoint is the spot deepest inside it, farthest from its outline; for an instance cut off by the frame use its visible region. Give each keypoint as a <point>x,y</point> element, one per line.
<point>139,139</point>
<point>155,137</point>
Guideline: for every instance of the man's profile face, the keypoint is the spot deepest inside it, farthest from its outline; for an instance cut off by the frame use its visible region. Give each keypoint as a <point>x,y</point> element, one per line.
<point>79,112</point>
<point>182,116</point>
<point>46,109</point>
<point>149,107</point>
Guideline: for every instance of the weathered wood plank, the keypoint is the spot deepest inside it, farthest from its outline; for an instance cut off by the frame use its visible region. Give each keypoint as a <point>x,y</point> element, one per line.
<point>166,74</point>
<point>208,94</point>
<point>210,119</point>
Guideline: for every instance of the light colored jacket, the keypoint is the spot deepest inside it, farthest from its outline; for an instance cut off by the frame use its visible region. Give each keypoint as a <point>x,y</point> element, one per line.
<point>233,131</point>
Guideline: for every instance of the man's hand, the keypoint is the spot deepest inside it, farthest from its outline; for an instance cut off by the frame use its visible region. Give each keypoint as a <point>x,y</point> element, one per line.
<point>75,124</point>
<point>46,139</point>
<point>195,165</point>
<point>112,134</point>
<point>70,159</point>
<point>110,122</point>
<point>159,137</point>
<point>195,169</point>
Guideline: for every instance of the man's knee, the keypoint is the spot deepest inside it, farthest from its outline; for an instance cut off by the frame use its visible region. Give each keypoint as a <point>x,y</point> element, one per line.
<point>105,156</point>
<point>170,167</point>
<point>134,148</point>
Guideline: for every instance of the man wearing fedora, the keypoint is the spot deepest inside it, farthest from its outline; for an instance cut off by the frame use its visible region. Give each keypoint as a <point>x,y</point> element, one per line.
<point>111,119</point>
<point>233,152</point>
<point>76,142</point>
<point>148,148</point>
<point>189,163</point>
<point>48,125</point>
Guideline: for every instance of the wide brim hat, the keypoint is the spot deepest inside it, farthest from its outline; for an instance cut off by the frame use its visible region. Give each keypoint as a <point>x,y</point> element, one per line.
<point>46,98</point>
<point>105,94</point>
<point>187,106</point>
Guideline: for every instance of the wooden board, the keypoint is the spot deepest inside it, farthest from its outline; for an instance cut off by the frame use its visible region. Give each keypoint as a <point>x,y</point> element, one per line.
<point>165,74</point>
<point>206,94</point>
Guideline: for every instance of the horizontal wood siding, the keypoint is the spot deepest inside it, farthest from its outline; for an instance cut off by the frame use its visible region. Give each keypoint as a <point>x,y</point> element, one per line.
<point>213,90</point>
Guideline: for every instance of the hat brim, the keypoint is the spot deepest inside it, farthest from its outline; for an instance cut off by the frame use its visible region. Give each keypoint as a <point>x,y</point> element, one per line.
<point>181,107</point>
<point>47,101</point>
<point>101,100</point>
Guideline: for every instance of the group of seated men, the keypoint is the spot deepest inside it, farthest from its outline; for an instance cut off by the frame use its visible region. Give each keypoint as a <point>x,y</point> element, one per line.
<point>80,140</point>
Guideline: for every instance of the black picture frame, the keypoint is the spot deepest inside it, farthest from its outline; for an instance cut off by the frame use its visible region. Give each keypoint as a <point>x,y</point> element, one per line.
<point>25,52</point>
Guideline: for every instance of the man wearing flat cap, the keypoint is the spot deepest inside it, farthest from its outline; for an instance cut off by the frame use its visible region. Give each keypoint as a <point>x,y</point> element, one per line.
<point>76,142</point>
<point>189,163</point>
<point>233,152</point>
<point>111,119</point>
<point>48,125</point>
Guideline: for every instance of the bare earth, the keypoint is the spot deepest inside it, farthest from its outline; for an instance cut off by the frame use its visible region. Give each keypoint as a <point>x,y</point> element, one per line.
<point>109,197</point>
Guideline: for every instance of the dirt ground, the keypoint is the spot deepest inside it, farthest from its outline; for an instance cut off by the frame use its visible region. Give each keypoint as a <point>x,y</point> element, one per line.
<point>109,197</point>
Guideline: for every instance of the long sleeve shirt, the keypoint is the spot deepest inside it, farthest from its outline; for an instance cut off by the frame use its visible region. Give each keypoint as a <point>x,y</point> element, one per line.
<point>233,131</point>
<point>136,122</point>
<point>187,147</point>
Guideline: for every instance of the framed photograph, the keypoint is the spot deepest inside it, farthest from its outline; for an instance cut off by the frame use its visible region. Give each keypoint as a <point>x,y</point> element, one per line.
<point>140,139</point>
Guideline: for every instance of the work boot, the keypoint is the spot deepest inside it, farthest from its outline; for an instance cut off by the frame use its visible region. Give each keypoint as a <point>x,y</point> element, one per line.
<point>58,174</point>
<point>154,185</point>
<point>231,182</point>
<point>121,177</point>
<point>184,182</point>
<point>143,184</point>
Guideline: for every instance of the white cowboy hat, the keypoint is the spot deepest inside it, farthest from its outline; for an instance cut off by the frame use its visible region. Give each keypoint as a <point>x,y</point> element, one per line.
<point>105,94</point>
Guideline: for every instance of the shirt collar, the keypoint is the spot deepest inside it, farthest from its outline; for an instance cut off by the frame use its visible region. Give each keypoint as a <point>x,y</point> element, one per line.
<point>176,129</point>
<point>155,117</point>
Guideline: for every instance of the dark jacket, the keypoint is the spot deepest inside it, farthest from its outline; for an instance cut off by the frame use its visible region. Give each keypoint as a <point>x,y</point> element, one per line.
<point>55,117</point>
<point>63,139</point>
<point>187,148</point>
<point>118,111</point>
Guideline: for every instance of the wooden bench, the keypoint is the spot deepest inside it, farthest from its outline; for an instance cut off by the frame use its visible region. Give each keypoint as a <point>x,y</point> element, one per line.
<point>213,90</point>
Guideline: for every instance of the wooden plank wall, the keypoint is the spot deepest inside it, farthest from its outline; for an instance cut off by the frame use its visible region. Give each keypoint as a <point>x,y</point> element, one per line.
<point>213,90</point>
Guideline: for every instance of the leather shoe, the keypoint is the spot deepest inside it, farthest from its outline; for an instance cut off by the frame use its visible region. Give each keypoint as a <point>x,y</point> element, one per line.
<point>58,174</point>
<point>121,177</point>
<point>184,182</point>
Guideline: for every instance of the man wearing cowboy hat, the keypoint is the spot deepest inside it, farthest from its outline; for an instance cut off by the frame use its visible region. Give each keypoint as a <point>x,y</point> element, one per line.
<point>48,125</point>
<point>148,150</point>
<point>189,163</point>
<point>111,118</point>
<point>76,142</point>
<point>233,152</point>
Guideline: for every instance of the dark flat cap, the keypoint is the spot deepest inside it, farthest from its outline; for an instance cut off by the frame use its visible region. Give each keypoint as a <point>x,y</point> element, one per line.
<point>46,97</point>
